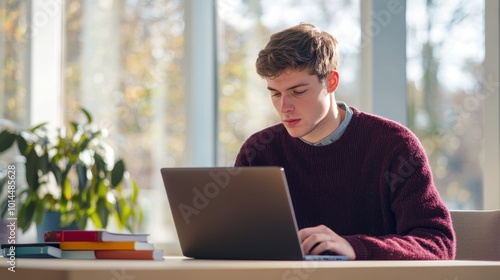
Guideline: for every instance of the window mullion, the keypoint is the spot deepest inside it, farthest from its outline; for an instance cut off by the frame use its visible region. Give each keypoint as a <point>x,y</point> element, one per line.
<point>46,68</point>
<point>200,85</point>
<point>491,119</point>
<point>384,35</point>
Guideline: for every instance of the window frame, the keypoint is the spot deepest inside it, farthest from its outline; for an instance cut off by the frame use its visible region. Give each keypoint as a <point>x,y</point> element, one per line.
<point>491,119</point>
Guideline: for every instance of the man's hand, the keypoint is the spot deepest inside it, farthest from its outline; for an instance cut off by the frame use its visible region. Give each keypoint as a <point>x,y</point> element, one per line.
<point>316,240</point>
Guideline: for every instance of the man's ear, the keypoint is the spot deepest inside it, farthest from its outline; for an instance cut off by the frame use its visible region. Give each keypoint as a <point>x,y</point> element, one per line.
<point>332,81</point>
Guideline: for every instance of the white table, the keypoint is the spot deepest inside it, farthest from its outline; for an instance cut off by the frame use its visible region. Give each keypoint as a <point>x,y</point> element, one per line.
<point>179,268</point>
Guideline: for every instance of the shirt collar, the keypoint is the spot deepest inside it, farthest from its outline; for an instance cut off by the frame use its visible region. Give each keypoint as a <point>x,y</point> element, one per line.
<point>335,135</point>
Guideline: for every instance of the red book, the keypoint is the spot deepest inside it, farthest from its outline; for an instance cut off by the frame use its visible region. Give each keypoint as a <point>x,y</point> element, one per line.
<point>92,236</point>
<point>129,255</point>
<point>105,245</point>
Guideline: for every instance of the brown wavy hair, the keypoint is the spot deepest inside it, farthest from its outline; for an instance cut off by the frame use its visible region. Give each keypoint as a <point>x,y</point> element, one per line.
<point>297,48</point>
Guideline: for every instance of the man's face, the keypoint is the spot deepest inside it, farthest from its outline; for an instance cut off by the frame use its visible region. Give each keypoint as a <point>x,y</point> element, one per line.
<point>304,103</point>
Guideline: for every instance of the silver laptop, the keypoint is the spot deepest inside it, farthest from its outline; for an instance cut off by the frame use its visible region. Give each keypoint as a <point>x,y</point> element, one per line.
<point>238,213</point>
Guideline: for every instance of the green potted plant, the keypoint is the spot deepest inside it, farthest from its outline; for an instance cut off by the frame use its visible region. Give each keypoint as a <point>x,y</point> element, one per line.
<point>71,171</point>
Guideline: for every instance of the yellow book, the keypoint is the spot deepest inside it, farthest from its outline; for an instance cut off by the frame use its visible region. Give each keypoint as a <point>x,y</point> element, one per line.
<point>125,245</point>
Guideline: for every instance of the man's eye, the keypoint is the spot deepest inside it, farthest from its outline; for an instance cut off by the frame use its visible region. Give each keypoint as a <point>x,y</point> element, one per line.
<point>275,94</point>
<point>298,91</point>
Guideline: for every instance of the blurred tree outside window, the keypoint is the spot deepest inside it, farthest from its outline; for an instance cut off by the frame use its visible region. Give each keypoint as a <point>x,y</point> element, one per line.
<point>13,61</point>
<point>445,47</point>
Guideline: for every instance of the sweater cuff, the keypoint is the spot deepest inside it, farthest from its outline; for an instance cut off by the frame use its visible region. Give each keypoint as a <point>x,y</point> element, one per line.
<point>359,247</point>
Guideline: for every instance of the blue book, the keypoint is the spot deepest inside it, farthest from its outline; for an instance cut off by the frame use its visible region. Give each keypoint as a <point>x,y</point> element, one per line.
<point>53,244</point>
<point>31,252</point>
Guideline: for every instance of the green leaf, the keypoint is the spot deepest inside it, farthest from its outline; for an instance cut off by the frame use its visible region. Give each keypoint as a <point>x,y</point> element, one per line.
<point>6,140</point>
<point>141,216</point>
<point>65,197</point>
<point>26,215</point>
<point>100,165</point>
<point>102,189</point>
<point>66,191</point>
<point>135,192</point>
<point>118,215</point>
<point>81,222</point>
<point>103,212</point>
<point>87,115</point>
<point>96,220</point>
<point>37,127</point>
<point>57,172</point>
<point>126,211</point>
<point>63,204</point>
<point>81,171</point>
<point>85,198</point>
<point>66,171</point>
<point>84,144</point>
<point>22,145</point>
<point>74,127</point>
<point>44,163</point>
<point>117,173</point>
<point>48,202</point>
<point>67,218</point>
<point>93,191</point>
<point>32,170</point>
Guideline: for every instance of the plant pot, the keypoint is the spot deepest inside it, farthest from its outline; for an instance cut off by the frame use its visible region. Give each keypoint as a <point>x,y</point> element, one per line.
<point>52,221</point>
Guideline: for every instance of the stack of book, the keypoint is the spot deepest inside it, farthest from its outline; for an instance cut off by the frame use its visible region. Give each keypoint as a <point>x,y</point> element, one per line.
<point>86,244</point>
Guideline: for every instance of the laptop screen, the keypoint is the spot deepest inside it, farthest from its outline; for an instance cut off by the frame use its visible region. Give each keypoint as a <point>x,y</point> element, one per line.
<point>233,213</point>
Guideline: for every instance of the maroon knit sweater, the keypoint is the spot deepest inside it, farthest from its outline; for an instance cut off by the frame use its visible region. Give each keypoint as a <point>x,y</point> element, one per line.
<point>373,187</point>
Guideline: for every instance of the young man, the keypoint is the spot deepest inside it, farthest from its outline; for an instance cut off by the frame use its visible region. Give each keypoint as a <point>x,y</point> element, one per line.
<point>361,185</point>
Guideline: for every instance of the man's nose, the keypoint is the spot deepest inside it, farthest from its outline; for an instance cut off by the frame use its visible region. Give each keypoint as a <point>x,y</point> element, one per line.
<point>286,103</point>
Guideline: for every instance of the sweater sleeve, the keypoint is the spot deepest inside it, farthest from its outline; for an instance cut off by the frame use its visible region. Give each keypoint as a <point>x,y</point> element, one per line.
<point>245,156</point>
<point>256,150</point>
<point>423,223</point>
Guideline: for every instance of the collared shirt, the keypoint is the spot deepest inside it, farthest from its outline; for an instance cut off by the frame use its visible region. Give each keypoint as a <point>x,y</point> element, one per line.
<point>339,131</point>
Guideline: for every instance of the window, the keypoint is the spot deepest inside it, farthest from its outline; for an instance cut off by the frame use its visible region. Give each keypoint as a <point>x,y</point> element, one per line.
<point>245,27</point>
<point>123,61</point>
<point>13,62</point>
<point>14,76</point>
<point>445,93</point>
<point>126,61</point>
